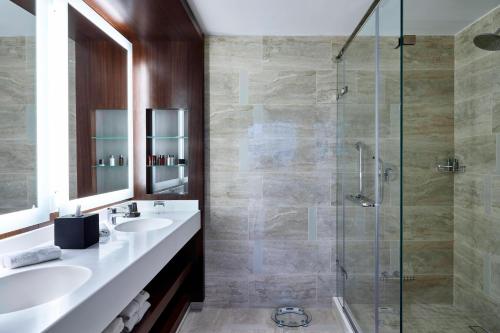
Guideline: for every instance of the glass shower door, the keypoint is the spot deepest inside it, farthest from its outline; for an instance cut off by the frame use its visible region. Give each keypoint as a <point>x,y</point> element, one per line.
<point>368,169</point>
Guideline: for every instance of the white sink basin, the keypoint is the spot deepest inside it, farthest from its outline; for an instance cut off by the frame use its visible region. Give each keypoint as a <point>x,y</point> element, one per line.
<point>39,285</point>
<point>142,225</point>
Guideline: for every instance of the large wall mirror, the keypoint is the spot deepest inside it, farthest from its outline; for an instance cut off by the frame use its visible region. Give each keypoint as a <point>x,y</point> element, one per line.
<point>98,110</point>
<point>18,127</point>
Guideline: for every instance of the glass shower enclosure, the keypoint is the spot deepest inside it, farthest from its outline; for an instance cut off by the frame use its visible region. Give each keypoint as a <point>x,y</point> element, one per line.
<point>369,139</point>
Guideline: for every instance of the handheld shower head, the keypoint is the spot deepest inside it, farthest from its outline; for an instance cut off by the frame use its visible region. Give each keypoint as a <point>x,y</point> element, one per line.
<point>488,41</point>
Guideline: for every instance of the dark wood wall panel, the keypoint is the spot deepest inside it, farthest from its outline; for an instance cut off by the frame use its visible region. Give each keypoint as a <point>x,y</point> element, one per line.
<point>147,19</point>
<point>169,74</point>
<point>168,69</point>
<point>101,83</point>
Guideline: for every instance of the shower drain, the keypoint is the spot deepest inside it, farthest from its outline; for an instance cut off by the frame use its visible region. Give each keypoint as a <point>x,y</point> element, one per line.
<point>291,317</point>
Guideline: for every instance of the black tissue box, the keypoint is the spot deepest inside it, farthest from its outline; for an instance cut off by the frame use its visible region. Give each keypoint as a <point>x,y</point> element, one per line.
<point>76,232</point>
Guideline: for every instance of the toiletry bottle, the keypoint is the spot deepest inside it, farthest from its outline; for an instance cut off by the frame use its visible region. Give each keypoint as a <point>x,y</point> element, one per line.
<point>121,160</point>
<point>112,160</point>
<point>149,161</point>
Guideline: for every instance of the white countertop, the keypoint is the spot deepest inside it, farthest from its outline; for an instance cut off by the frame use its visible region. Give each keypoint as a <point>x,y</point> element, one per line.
<point>120,269</point>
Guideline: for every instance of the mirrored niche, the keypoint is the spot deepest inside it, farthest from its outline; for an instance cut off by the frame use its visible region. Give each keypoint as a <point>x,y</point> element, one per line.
<point>18,132</point>
<point>98,114</point>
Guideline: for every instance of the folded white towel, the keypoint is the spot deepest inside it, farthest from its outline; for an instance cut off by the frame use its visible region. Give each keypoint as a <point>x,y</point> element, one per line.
<point>32,256</point>
<point>104,233</point>
<point>136,318</point>
<point>116,326</point>
<point>134,306</point>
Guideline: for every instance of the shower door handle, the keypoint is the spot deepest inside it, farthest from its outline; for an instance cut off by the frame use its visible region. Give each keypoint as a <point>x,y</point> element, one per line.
<point>360,198</point>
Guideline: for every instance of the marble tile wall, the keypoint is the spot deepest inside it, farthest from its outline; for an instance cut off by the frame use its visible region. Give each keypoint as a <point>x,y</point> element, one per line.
<point>477,195</point>
<point>271,110</point>
<point>428,130</point>
<point>356,111</point>
<point>73,188</point>
<point>18,127</point>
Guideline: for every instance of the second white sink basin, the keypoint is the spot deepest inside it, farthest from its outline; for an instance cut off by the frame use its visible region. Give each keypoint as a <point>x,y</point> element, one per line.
<point>144,225</point>
<point>39,285</point>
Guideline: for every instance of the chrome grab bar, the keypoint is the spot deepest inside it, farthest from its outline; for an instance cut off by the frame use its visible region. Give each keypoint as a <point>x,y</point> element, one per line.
<point>359,147</point>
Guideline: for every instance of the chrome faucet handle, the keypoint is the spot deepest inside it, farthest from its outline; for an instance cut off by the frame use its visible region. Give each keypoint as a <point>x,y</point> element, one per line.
<point>159,203</point>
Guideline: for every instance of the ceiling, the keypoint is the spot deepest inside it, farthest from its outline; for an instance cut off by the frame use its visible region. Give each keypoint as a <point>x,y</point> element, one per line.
<point>332,17</point>
<point>15,21</point>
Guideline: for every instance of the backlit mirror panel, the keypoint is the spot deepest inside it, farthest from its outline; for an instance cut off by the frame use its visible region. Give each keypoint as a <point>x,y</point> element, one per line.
<point>18,133</point>
<point>98,114</point>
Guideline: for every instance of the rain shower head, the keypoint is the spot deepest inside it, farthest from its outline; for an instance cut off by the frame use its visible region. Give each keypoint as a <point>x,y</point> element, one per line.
<point>489,41</point>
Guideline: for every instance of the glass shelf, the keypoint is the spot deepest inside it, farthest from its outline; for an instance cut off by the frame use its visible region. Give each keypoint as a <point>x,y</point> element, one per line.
<point>166,166</point>
<point>167,137</point>
<point>109,138</point>
<point>109,167</point>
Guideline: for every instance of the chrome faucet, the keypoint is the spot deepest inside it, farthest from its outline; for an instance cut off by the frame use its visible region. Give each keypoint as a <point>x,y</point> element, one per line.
<point>159,203</point>
<point>130,211</point>
<point>113,213</point>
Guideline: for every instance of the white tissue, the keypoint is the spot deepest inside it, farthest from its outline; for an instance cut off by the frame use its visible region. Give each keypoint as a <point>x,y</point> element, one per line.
<point>136,318</point>
<point>32,256</point>
<point>135,305</point>
<point>116,326</point>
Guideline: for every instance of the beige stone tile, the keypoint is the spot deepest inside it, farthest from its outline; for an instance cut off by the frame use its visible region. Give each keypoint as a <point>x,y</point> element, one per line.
<point>495,114</point>
<point>477,78</point>
<point>326,86</point>
<point>326,222</point>
<point>427,188</point>
<point>17,86</point>
<point>227,223</point>
<point>223,88</point>
<point>282,87</point>
<point>429,257</point>
<point>226,291</point>
<point>468,262</point>
<point>428,119</point>
<point>301,190</point>
<point>473,117</point>
<point>478,153</point>
<point>278,223</point>
<point>17,156</point>
<point>294,121</point>
<point>233,189</point>
<point>14,122</point>
<point>227,53</point>
<point>430,52</point>
<point>434,87</point>
<point>296,257</point>
<point>13,192</point>
<point>228,257</point>
<point>291,155</point>
<point>13,52</point>
<point>292,53</point>
<point>224,155</point>
<point>279,290</point>
<point>426,152</point>
<point>428,223</point>
<point>429,289</point>
<point>231,121</point>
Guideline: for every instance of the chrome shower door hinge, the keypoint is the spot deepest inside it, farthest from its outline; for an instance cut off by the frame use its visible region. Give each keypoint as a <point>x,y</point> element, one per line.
<point>342,92</point>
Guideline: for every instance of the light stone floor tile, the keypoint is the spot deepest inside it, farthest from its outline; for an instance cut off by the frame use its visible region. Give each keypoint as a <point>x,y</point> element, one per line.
<point>255,320</point>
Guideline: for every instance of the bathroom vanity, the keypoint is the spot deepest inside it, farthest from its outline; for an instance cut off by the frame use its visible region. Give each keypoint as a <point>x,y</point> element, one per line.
<point>157,259</point>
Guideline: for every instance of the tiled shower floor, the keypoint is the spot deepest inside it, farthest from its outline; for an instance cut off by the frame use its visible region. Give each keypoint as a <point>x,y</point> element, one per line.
<point>213,320</point>
<point>437,318</point>
<point>419,318</point>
